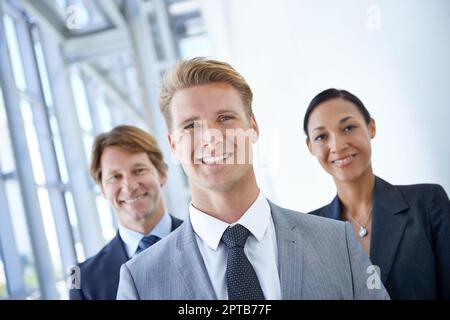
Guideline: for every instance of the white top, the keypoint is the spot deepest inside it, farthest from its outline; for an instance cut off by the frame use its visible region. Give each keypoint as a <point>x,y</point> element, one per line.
<point>132,238</point>
<point>260,248</point>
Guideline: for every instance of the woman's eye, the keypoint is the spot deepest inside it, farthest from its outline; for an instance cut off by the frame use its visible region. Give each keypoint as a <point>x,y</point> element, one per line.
<point>349,128</point>
<point>319,137</point>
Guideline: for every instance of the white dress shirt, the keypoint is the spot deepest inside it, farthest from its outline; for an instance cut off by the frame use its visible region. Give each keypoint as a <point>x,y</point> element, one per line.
<point>132,238</point>
<point>260,248</point>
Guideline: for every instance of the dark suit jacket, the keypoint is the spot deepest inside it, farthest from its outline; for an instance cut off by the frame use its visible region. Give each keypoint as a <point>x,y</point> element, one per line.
<point>100,273</point>
<point>410,239</point>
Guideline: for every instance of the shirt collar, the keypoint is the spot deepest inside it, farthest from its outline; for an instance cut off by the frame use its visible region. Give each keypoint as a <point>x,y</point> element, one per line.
<point>132,238</point>
<point>210,229</point>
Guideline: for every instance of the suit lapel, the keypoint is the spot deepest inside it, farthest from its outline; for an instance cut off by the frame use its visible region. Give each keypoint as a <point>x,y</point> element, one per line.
<point>388,225</point>
<point>290,254</point>
<point>389,218</point>
<point>192,266</point>
<point>107,282</point>
<point>333,210</point>
<point>116,249</point>
<point>175,223</point>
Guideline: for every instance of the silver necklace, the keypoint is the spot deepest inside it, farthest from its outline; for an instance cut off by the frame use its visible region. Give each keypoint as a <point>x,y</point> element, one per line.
<point>362,228</point>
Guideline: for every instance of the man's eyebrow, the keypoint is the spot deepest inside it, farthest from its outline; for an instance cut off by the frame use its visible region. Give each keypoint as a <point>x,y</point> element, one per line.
<point>222,111</point>
<point>109,172</point>
<point>194,118</point>
<point>140,164</point>
<point>136,165</point>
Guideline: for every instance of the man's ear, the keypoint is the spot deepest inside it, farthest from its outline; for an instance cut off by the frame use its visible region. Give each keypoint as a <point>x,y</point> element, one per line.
<point>372,128</point>
<point>102,190</point>
<point>175,137</point>
<point>255,130</point>
<point>171,142</point>
<point>162,179</point>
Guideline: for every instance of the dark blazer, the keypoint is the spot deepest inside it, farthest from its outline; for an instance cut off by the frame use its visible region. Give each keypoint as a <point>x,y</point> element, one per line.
<point>100,273</point>
<point>410,239</point>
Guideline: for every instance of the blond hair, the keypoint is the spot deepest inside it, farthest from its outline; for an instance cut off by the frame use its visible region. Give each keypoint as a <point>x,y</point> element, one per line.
<point>196,72</point>
<point>131,139</point>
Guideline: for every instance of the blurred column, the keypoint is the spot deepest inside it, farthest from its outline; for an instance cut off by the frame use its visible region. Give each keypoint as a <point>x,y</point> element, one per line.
<point>74,153</point>
<point>25,173</point>
<point>150,76</point>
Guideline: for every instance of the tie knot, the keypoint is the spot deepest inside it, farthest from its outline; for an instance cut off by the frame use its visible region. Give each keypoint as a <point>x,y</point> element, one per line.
<point>146,242</point>
<point>235,236</point>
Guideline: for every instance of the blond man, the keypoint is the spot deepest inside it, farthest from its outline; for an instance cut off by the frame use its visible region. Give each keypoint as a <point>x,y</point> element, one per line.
<point>236,244</point>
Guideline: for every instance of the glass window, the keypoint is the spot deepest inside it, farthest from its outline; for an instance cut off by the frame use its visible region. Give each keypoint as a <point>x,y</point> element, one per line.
<point>50,232</point>
<point>21,233</point>
<point>43,73</point>
<point>104,114</point>
<point>43,196</point>
<point>6,154</point>
<point>59,149</point>
<point>156,36</point>
<point>188,28</point>
<point>74,223</point>
<point>107,219</point>
<point>3,288</point>
<point>88,141</point>
<point>81,102</point>
<point>14,52</point>
<point>33,145</point>
<point>54,127</point>
<point>84,114</point>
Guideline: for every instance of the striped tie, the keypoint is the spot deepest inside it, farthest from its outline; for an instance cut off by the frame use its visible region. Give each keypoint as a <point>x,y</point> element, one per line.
<point>146,242</point>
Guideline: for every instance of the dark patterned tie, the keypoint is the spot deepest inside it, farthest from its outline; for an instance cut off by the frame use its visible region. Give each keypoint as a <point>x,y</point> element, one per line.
<point>146,242</point>
<point>242,282</point>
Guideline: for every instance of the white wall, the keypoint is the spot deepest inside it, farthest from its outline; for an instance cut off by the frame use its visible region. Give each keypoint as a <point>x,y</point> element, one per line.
<point>393,54</point>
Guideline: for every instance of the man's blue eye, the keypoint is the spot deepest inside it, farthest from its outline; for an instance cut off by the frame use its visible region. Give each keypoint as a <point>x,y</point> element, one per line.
<point>192,125</point>
<point>114,177</point>
<point>224,118</point>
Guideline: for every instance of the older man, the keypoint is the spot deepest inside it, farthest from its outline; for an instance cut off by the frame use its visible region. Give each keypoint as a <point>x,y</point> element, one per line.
<point>128,165</point>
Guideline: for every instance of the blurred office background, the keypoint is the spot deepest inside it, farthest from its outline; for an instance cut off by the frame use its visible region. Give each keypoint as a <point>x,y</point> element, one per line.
<point>70,69</point>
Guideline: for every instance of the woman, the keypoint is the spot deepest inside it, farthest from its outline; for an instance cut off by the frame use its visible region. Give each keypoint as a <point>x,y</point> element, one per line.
<point>404,229</point>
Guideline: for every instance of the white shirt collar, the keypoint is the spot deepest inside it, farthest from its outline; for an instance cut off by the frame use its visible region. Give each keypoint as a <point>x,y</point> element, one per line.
<point>210,229</point>
<point>132,238</point>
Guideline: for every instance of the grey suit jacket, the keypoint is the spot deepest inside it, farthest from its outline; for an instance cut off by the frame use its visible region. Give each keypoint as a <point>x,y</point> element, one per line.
<point>319,258</point>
